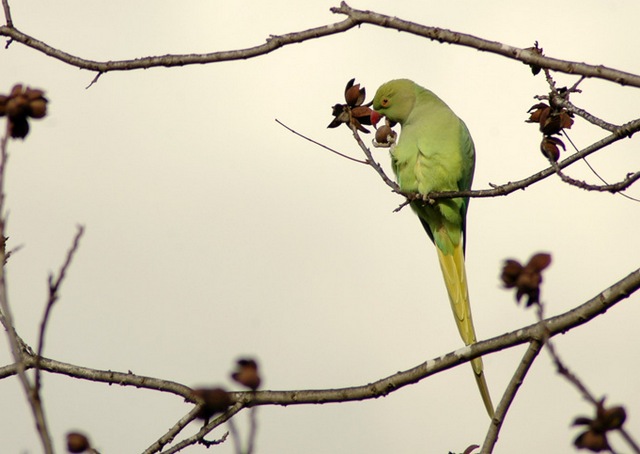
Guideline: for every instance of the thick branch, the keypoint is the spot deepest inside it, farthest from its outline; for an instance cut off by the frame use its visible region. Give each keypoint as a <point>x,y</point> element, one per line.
<point>509,394</point>
<point>355,18</point>
<point>273,42</point>
<point>556,325</point>
<point>528,56</point>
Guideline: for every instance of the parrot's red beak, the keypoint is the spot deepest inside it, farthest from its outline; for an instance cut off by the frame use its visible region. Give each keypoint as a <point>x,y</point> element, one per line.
<point>375,117</point>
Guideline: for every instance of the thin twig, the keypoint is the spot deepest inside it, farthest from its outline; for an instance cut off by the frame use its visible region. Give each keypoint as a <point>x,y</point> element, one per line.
<point>7,13</point>
<point>253,429</point>
<point>509,394</point>
<point>54,286</point>
<point>613,188</point>
<point>235,436</point>
<point>563,102</point>
<point>572,378</point>
<point>372,162</point>
<point>168,437</point>
<point>632,443</point>
<point>320,144</point>
<point>588,164</point>
<point>623,131</point>
<point>196,438</point>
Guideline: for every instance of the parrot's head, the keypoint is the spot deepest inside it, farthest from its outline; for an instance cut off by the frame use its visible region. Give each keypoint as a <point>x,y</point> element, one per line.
<point>394,100</point>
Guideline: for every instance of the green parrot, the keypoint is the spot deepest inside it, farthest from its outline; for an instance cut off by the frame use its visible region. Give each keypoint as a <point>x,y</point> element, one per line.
<point>435,152</point>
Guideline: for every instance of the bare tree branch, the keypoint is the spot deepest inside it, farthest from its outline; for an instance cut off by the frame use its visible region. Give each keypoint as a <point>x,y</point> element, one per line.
<point>532,333</point>
<point>54,286</point>
<point>7,13</point>
<point>527,56</point>
<point>320,144</point>
<point>273,42</point>
<point>509,394</point>
<point>355,19</point>
<point>626,130</point>
<point>18,347</point>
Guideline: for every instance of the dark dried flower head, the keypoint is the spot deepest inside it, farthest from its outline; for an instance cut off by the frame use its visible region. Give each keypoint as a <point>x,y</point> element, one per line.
<point>595,437</point>
<point>247,374</point>
<point>21,104</point>
<point>353,113</point>
<point>214,400</point>
<point>550,147</point>
<point>593,441</point>
<point>353,94</point>
<point>538,112</point>
<point>77,442</point>
<point>526,279</point>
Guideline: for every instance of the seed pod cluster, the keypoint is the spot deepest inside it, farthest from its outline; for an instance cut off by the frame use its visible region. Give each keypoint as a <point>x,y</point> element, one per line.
<point>21,104</point>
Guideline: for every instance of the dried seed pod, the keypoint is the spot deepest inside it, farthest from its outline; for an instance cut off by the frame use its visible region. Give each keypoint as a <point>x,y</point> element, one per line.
<point>247,374</point>
<point>384,133</point>
<point>215,400</point>
<point>77,442</point>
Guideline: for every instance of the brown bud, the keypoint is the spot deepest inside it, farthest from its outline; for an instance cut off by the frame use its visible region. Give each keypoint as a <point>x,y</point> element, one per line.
<point>539,261</point>
<point>38,108</point>
<point>549,147</point>
<point>538,111</point>
<point>76,442</point>
<point>353,94</point>
<point>16,90</point>
<point>17,106</point>
<point>383,133</point>
<point>3,105</point>
<point>247,374</point>
<point>18,127</point>
<point>215,400</point>
<point>510,273</point>
<point>33,93</point>
<point>552,124</point>
<point>592,441</point>
<point>611,418</point>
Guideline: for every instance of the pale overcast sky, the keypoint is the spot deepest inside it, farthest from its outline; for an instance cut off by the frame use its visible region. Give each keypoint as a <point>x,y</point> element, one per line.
<point>212,232</point>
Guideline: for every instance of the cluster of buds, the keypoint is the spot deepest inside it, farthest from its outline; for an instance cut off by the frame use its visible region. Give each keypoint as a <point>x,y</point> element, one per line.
<point>595,437</point>
<point>526,279</point>
<point>552,119</point>
<point>352,113</point>
<point>20,105</point>
<point>218,400</point>
<point>355,114</point>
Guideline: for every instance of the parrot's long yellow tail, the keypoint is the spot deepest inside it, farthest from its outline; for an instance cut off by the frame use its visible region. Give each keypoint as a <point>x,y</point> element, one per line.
<point>455,278</point>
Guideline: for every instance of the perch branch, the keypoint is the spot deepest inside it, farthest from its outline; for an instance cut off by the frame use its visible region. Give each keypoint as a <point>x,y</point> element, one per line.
<point>555,325</point>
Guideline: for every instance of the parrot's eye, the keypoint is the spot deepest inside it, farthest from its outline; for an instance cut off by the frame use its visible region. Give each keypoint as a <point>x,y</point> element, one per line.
<point>384,102</point>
